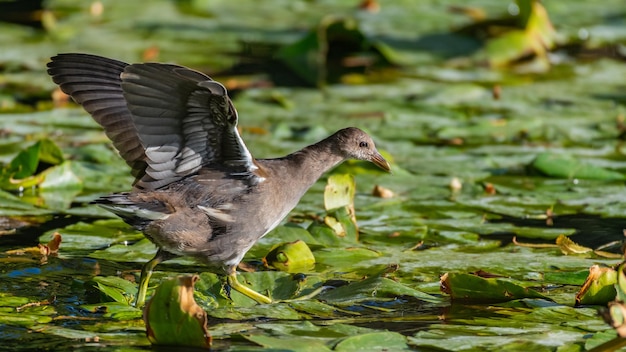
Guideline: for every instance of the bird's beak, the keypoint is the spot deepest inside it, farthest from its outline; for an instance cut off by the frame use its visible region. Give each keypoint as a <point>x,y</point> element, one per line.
<point>379,161</point>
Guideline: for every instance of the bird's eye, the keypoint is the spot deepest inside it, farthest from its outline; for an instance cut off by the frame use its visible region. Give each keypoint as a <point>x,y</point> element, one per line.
<point>363,144</point>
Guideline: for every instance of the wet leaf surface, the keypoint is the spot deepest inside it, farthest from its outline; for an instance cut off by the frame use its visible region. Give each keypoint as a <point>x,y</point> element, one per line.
<point>173,318</point>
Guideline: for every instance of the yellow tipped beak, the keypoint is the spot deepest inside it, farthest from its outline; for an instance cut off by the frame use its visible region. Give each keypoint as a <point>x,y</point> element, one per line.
<point>379,161</point>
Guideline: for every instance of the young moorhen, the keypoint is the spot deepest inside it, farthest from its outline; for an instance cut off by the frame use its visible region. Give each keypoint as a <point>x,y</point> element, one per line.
<point>198,191</point>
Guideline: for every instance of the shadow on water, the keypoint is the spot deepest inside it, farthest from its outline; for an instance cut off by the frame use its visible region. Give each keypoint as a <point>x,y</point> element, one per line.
<point>591,230</point>
<point>29,235</point>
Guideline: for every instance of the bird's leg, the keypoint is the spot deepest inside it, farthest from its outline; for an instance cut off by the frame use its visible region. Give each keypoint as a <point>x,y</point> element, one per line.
<point>146,273</point>
<point>231,280</point>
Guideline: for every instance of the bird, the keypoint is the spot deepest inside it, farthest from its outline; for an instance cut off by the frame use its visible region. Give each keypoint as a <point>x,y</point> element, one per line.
<point>198,192</point>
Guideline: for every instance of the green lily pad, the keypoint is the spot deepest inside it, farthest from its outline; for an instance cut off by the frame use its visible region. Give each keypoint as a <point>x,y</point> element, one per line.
<point>564,166</point>
<point>113,289</point>
<point>21,172</point>
<point>376,341</point>
<point>372,289</point>
<point>468,287</point>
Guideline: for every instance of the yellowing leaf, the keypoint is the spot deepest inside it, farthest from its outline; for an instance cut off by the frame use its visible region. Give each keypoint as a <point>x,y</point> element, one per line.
<point>536,37</point>
<point>599,288</point>
<point>567,246</point>
<point>339,191</point>
<point>291,257</point>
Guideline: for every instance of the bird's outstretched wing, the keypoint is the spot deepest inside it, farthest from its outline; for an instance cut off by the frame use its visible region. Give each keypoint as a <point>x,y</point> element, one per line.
<point>167,121</point>
<point>95,83</point>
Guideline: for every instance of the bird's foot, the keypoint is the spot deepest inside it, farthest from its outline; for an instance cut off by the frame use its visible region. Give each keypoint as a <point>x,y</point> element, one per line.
<point>233,283</point>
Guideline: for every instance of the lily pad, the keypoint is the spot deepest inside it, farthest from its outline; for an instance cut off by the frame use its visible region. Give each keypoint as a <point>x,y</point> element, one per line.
<point>563,166</point>
<point>468,287</point>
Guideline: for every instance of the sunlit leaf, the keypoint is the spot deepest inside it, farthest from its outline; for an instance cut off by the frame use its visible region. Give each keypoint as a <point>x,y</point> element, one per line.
<point>377,341</point>
<point>173,318</point>
<point>339,192</point>
<point>536,36</point>
<point>291,257</point>
<point>338,226</point>
<point>21,171</point>
<point>568,246</point>
<point>599,288</point>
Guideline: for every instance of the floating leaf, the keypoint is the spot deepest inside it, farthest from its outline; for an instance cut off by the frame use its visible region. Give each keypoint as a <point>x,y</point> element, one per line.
<point>288,344</point>
<point>620,286</point>
<point>115,310</point>
<point>173,317</point>
<point>291,257</point>
<point>338,226</point>
<point>467,287</point>
<point>599,288</point>
<point>42,250</point>
<point>374,288</point>
<point>347,257</point>
<point>21,171</point>
<point>568,246</point>
<point>376,341</point>
<point>112,289</point>
<point>339,192</point>
<point>564,166</point>
<point>536,37</point>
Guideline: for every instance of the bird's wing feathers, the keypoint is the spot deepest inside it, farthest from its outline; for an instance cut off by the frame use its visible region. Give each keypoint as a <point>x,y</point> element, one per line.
<point>94,82</point>
<point>167,121</point>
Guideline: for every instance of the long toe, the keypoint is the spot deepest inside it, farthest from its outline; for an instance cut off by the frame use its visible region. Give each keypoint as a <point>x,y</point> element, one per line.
<point>246,291</point>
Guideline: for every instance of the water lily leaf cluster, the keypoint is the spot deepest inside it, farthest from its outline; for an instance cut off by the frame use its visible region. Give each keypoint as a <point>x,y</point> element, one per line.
<point>510,180</point>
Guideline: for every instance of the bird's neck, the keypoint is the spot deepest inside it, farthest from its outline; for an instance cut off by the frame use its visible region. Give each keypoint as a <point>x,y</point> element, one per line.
<point>304,167</point>
<point>313,161</point>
